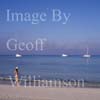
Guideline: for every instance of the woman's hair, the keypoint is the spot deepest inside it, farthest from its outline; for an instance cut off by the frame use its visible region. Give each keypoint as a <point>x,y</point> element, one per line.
<point>17,70</point>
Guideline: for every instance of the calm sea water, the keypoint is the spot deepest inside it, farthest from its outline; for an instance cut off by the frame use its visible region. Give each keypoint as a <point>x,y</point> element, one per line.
<point>53,67</point>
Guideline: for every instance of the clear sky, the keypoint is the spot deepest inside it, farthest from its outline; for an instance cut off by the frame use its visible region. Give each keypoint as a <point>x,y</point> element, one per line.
<point>81,30</point>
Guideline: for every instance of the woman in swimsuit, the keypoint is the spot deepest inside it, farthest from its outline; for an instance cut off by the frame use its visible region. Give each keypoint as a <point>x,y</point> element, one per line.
<point>16,76</point>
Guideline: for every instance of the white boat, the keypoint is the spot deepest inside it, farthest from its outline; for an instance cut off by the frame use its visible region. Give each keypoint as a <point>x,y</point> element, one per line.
<point>87,55</point>
<point>64,55</point>
<point>18,55</point>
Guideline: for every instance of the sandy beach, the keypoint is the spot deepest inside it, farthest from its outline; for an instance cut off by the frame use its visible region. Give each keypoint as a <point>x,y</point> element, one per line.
<point>8,92</point>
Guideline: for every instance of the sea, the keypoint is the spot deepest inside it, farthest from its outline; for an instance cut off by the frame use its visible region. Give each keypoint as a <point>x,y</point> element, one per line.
<point>52,67</point>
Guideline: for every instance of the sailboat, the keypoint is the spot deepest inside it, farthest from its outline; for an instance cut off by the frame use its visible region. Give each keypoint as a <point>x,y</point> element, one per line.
<point>18,55</point>
<point>64,55</point>
<point>87,55</point>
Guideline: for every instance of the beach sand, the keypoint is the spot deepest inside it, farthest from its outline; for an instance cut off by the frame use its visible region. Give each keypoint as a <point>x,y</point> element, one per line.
<point>8,92</point>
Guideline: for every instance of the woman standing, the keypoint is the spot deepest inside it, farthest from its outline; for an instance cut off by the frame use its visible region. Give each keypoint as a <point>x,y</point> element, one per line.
<point>16,76</point>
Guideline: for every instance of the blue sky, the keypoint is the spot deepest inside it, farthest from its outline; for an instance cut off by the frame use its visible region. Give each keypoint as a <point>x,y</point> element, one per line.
<point>82,28</point>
